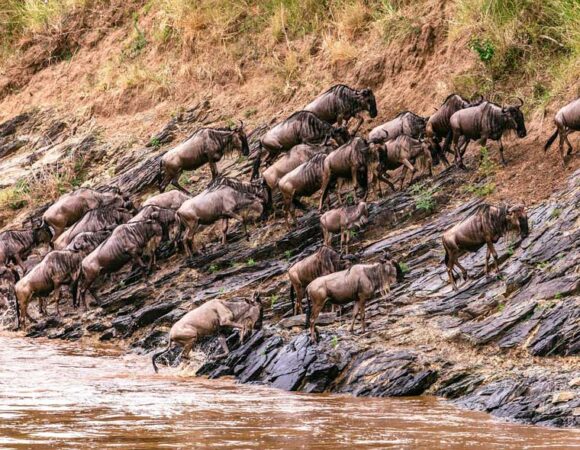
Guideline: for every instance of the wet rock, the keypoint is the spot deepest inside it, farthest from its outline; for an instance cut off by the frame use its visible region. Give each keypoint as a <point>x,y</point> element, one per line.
<point>291,363</point>
<point>459,385</point>
<point>558,333</point>
<point>108,335</point>
<point>42,327</point>
<point>300,320</point>
<point>97,327</point>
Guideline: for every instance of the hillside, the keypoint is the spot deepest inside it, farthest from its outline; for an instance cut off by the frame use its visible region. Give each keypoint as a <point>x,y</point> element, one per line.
<point>93,92</point>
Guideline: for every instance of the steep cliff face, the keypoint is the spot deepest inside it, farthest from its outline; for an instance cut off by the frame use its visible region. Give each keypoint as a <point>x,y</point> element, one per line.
<point>506,344</point>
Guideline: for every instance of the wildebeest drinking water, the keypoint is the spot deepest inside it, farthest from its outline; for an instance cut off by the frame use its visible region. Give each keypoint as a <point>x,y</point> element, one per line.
<point>484,227</point>
<point>224,199</point>
<point>358,284</point>
<point>341,103</point>
<point>214,317</point>
<point>302,127</point>
<point>205,146</point>
<point>16,245</point>
<point>343,220</point>
<point>439,127</point>
<point>58,268</point>
<point>324,261</point>
<point>72,206</point>
<point>567,120</point>
<point>483,122</point>
<point>406,122</point>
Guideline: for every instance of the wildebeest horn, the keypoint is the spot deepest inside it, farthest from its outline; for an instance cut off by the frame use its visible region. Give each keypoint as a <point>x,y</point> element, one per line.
<point>521,102</point>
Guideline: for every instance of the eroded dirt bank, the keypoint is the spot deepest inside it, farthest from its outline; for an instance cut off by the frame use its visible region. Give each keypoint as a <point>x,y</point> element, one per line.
<point>508,345</point>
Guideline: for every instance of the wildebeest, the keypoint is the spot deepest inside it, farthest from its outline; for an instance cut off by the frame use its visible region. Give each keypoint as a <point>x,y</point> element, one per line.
<point>302,127</point>
<point>483,122</point>
<point>343,220</point>
<point>205,146</point>
<point>224,199</point>
<point>126,244</point>
<point>567,120</point>
<point>340,103</point>
<point>303,181</point>
<point>106,217</point>
<point>211,318</point>
<point>405,122</point>
<point>16,245</point>
<point>168,220</point>
<point>58,268</point>
<point>358,283</point>
<point>170,199</point>
<point>299,154</point>
<point>439,127</point>
<point>324,261</point>
<point>350,162</point>
<point>72,206</point>
<point>402,151</point>
<point>484,227</point>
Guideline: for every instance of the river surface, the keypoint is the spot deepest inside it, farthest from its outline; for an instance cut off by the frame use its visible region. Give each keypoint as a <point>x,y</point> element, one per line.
<point>62,395</point>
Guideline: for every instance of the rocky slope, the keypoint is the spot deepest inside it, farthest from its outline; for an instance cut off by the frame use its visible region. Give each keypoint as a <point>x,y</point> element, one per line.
<point>506,344</point>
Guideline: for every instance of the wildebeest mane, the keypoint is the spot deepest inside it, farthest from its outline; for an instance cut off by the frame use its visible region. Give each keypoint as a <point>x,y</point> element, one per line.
<point>239,186</point>
<point>494,218</point>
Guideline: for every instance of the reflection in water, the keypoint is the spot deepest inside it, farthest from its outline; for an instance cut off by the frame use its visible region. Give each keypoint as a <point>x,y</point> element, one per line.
<point>57,394</point>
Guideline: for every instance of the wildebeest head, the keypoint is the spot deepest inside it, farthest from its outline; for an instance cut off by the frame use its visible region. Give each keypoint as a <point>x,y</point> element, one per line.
<point>241,140</point>
<point>515,118</point>
<point>518,220</point>
<point>368,99</point>
<point>340,135</point>
<point>41,234</point>
<point>475,101</point>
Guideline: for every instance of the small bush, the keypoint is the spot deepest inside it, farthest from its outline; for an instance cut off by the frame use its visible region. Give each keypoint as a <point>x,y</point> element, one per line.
<point>404,267</point>
<point>423,197</point>
<point>484,49</point>
<point>251,262</point>
<point>273,300</point>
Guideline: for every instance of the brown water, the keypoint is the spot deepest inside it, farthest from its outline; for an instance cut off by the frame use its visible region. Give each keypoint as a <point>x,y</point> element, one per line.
<point>59,395</point>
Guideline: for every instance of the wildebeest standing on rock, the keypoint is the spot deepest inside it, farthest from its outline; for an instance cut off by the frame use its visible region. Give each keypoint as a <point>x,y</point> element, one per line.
<point>126,244</point>
<point>350,162</point>
<point>323,262</point>
<point>168,220</point>
<point>406,122</point>
<point>567,120</point>
<point>483,122</point>
<point>16,245</point>
<point>340,103</point>
<point>72,206</point>
<point>224,199</point>
<point>58,268</point>
<point>358,284</point>
<point>94,220</point>
<point>302,127</point>
<point>439,127</point>
<point>402,151</point>
<point>303,181</point>
<point>205,146</point>
<point>343,220</point>
<point>211,318</point>
<point>170,199</point>
<point>484,227</point>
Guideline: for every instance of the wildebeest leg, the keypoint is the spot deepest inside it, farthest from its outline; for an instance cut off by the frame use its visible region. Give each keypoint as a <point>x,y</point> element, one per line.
<point>225,223</point>
<point>503,161</point>
<point>20,263</point>
<point>224,345</point>
<point>299,296</point>
<point>463,270</point>
<point>58,299</point>
<point>315,311</point>
<point>187,349</point>
<point>324,188</point>
<point>386,180</point>
<point>355,311</point>
<point>360,122</point>
<point>327,235</point>
<point>362,301</point>
<point>403,175</point>
<point>451,260</point>
<point>214,170</point>
<point>175,182</point>
<point>491,249</point>
<point>570,148</point>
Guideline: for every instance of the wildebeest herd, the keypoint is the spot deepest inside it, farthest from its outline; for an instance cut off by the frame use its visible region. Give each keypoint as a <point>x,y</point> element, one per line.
<point>92,232</point>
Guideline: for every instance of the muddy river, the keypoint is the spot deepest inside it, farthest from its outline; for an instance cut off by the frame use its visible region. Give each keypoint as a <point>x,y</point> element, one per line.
<point>61,395</point>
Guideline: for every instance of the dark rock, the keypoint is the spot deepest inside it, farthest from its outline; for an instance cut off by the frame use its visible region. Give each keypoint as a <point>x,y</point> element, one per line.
<point>459,385</point>
<point>97,327</point>
<point>41,328</point>
<point>291,363</point>
<point>108,335</point>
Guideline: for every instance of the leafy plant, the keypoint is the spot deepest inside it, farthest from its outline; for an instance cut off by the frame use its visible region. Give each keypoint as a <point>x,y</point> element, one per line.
<point>511,249</point>
<point>423,197</point>
<point>155,142</point>
<point>484,49</point>
<point>213,268</point>
<point>559,295</point>
<point>288,254</point>
<point>222,290</point>
<point>555,213</point>
<point>481,190</point>
<point>273,300</point>
<point>334,341</point>
<point>404,267</point>
<point>487,166</point>
<point>501,307</point>
<point>251,262</point>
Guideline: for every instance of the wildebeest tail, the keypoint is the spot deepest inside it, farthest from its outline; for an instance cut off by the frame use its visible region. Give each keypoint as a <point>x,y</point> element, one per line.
<point>158,354</point>
<point>308,310</point>
<point>551,140</point>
